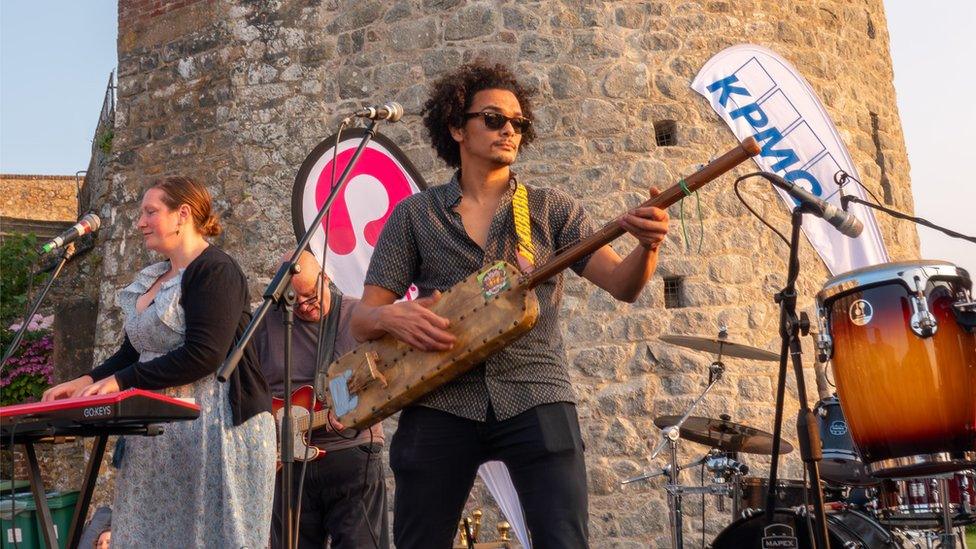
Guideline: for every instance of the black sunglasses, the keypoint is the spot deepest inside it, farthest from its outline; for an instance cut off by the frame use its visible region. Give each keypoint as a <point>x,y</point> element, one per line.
<point>497,121</point>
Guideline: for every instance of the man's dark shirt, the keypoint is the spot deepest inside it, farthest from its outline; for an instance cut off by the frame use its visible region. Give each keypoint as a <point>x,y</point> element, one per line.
<point>269,343</point>
<point>424,242</point>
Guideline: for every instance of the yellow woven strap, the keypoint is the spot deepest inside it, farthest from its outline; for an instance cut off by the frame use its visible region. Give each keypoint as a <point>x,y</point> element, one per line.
<point>525,251</point>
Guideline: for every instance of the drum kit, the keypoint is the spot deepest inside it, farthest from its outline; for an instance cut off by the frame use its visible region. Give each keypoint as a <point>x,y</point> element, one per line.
<point>897,440</point>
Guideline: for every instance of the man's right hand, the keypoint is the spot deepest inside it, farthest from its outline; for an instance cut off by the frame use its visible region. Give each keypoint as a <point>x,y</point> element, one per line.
<point>67,389</point>
<point>413,323</point>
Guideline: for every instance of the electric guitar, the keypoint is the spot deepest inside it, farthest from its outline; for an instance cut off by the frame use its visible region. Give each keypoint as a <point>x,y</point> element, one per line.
<point>309,414</point>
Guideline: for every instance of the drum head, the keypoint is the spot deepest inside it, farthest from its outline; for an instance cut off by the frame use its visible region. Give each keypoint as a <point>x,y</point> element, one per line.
<point>790,529</point>
<point>845,470</point>
<point>904,272</point>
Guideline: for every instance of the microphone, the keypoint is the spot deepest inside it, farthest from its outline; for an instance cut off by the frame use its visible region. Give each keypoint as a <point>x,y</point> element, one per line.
<point>726,464</point>
<point>86,225</point>
<point>390,112</point>
<point>846,223</point>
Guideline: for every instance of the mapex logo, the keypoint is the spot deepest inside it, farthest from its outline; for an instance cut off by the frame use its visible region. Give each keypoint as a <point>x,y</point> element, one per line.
<point>779,536</point>
<point>838,428</point>
<point>788,141</point>
<point>97,411</point>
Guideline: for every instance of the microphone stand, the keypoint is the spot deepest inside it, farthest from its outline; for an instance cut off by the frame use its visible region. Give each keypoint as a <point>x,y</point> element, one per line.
<point>807,430</point>
<point>66,255</point>
<point>279,292</point>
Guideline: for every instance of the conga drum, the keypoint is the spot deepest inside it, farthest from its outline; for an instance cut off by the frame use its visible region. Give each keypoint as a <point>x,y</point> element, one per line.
<point>902,341</point>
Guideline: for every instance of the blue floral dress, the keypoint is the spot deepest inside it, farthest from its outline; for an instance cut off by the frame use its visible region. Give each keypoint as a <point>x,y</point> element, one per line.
<point>202,483</point>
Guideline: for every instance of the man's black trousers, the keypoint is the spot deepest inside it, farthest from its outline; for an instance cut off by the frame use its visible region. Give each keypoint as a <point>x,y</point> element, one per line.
<point>344,499</point>
<point>435,457</point>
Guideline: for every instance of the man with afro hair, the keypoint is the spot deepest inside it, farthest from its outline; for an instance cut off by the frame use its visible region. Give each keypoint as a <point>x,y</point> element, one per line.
<point>518,406</point>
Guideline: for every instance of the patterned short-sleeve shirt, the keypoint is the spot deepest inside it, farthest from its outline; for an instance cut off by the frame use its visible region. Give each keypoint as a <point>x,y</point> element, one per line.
<point>424,243</point>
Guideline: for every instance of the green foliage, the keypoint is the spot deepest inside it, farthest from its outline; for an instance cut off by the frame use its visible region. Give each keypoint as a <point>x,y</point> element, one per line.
<point>17,255</point>
<point>7,335</point>
<point>29,372</point>
<point>24,388</point>
<point>104,140</point>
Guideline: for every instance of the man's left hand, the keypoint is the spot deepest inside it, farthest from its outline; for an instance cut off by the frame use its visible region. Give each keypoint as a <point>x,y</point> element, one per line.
<point>648,224</point>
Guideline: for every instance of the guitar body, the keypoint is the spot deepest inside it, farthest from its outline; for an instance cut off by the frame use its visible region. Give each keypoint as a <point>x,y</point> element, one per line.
<point>488,310</point>
<point>303,408</point>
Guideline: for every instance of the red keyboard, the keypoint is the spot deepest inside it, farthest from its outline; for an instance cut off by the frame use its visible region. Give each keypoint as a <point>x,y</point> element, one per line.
<point>87,416</point>
<point>130,412</point>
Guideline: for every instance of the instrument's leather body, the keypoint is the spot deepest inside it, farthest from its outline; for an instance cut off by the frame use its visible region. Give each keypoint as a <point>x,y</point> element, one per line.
<point>487,311</point>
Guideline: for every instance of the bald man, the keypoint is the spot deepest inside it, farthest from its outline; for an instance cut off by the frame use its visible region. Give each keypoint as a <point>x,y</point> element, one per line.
<point>344,495</point>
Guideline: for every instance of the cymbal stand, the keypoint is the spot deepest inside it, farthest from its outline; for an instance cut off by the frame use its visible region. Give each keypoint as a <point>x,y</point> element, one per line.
<point>676,491</point>
<point>948,538</point>
<point>670,437</point>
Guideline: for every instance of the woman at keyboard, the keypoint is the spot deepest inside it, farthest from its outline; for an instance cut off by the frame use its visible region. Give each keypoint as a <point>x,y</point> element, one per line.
<point>202,483</point>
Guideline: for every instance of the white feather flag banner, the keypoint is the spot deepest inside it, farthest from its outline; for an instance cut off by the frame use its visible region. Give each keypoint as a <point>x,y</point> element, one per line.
<point>760,94</point>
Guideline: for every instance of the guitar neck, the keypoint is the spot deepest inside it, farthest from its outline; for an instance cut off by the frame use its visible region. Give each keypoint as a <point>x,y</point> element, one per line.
<point>314,421</point>
<point>612,230</point>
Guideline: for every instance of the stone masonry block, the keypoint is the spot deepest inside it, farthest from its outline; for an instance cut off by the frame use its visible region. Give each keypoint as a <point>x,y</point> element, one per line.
<point>471,21</point>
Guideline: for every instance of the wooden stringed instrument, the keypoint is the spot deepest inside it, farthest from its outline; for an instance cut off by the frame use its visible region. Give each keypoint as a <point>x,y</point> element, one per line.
<point>487,310</point>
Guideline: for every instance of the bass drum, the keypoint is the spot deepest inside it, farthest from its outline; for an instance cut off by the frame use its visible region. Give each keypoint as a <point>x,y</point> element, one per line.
<point>847,528</point>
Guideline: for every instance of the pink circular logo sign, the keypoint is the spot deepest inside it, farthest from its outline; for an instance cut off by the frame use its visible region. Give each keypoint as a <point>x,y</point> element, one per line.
<point>381,178</point>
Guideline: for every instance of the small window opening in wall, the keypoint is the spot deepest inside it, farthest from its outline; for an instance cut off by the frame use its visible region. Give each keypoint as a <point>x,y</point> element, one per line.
<point>673,288</point>
<point>666,133</point>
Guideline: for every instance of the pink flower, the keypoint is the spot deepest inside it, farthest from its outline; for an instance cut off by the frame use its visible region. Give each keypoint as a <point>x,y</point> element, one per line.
<point>34,359</point>
<point>36,323</point>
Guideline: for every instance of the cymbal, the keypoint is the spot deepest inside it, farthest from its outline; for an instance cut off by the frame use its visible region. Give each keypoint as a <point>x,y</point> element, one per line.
<point>724,435</point>
<point>716,345</point>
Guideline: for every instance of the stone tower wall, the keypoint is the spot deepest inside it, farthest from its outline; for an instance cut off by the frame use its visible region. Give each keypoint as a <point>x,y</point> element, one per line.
<point>40,197</point>
<point>238,93</point>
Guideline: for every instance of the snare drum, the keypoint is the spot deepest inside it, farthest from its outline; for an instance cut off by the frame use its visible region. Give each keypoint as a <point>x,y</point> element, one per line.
<point>789,493</point>
<point>916,503</point>
<point>905,368</point>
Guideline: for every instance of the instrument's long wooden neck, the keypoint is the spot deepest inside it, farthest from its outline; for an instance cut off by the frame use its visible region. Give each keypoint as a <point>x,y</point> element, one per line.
<point>612,230</point>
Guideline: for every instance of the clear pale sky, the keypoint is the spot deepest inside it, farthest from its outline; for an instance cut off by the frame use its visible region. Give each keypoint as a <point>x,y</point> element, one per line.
<point>933,50</point>
<point>55,57</point>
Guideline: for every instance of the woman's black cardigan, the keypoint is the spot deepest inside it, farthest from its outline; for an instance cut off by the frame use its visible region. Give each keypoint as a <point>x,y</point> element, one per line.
<point>216,306</point>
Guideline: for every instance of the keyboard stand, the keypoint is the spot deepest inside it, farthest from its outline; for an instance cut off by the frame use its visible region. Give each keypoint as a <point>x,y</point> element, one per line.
<point>40,498</point>
<point>92,469</point>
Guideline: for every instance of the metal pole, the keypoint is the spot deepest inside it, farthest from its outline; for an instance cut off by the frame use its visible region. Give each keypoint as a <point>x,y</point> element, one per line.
<point>288,430</point>
<point>948,537</point>
<point>276,288</point>
<point>677,536</point>
<point>807,433</point>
